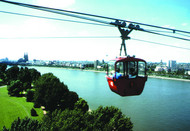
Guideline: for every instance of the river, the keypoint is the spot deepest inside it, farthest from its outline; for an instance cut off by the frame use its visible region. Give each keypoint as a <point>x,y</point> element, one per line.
<point>163,105</point>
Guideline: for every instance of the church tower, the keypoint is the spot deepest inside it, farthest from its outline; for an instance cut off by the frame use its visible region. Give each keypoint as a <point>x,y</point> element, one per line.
<point>25,56</point>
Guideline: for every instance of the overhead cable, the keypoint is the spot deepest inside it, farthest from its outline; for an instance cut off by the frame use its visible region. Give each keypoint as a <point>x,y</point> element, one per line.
<point>166,35</point>
<point>94,37</point>
<point>86,14</point>
<point>57,11</point>
<point>157,43</point>
<point>148,31</point>
<point>62,37</point>
<point>8,12</point>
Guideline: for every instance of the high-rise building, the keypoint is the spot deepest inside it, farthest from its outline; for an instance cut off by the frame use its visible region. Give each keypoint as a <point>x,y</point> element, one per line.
<point>96,62</point>
<point>172,64</point>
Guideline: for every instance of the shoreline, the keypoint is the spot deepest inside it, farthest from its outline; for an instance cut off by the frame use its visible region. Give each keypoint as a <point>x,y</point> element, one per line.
<point>169,78</point>
<point>151,76</point>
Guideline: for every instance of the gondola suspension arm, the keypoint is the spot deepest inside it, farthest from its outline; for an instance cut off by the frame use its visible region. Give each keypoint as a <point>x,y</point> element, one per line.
<point>125,33</point>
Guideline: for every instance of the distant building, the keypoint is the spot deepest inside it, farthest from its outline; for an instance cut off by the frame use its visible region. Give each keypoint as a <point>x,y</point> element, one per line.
<point>161,67</point>
<point>172,64</point>
<point>26,56</point>
<point>25,59</point>
<point>4,60</point>
<point>96,63</point>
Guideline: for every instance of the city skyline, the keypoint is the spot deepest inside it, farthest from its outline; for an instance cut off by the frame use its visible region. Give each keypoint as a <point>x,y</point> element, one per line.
<point>57,40</point>
<point>25,58</point>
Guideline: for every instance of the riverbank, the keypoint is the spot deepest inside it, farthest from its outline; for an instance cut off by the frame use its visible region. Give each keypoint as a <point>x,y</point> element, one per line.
<point>101,71</point>
<point>151,76</point>
<point>168,78</point>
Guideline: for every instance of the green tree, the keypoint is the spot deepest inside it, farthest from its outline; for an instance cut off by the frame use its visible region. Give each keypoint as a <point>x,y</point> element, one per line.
<point>15,88</point>
<point>65,120</point>
<point>30,96</point>
<point>33,112</point>
<point>26,124</point>
<point>82,104</point>
<point>3,68</point>
<point>24,75</point>
<point>109,118</point>
<point>12,74</point>
<point>180,72</point>
<point>34,74</point>
<point>53,94</point>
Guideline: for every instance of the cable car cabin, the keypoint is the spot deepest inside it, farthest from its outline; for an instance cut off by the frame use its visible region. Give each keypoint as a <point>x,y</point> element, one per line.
<point>127,76</point>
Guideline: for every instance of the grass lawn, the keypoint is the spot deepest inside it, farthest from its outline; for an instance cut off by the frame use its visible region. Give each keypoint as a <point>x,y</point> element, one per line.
<point>13,107</point>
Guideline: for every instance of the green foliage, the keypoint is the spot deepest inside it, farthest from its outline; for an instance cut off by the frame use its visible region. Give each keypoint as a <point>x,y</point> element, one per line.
<point>30,95</point>
<point>3,68</point>
<point>26,124</point>
<point>24,75</point>
<point>5,129</point>
<point>69,100</point>
<point>33,112</point>
<point>13,107</point>
<point>180,72</point>
<point>82,105</point>
<point>53,94</point>
<point>108,118</point>
<point>15,88</point>
<point>34,74</point>
<point>65,120</point>
<point>12,74</point>
<point>26,86</point>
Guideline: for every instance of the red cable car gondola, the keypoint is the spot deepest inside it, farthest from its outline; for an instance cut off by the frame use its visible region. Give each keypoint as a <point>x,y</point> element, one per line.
<point>126,76</point>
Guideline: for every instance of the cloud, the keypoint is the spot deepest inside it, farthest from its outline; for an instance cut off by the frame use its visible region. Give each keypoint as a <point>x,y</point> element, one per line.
<point>184,24</point>
<point>55,3</point>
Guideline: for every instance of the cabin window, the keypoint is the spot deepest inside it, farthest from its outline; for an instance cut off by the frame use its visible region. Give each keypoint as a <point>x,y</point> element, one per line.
<point>120,68</point>
<point>141,69</point>
<point>132,69</point>
<point>111,68</point>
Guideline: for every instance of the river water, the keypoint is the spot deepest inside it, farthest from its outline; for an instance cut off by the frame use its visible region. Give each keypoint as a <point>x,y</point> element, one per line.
<point>164,104</point>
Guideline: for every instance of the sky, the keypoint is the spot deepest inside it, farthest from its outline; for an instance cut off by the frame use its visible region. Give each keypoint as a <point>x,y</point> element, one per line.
<point>37,36</point>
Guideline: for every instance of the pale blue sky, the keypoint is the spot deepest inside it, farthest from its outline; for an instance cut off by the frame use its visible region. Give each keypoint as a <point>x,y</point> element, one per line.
<point>166,13</point>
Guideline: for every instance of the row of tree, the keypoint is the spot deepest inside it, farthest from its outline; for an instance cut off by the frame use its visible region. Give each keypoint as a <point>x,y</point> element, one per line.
<point>66,111</point>
<point>102,119</point>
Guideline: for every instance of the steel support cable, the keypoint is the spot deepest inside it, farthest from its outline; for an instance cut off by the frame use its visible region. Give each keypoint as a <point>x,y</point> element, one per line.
<point>91,23</point>
<point>98,16</point>
<point>71,15</point>
<point>82,17</point>
<point>57,11</point>
<point>149,31</point>
<point>64,37</point>
<point>95,37</point>
<point>166,35</point>
<point>157,43</point>
<point>54,18</point>
<point>168,32</point>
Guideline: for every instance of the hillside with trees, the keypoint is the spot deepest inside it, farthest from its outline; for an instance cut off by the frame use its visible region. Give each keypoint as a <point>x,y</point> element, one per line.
<point>65,109</point>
